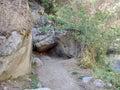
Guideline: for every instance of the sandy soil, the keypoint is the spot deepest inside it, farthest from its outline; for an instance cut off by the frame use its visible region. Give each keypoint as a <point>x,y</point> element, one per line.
<point>54,76</point>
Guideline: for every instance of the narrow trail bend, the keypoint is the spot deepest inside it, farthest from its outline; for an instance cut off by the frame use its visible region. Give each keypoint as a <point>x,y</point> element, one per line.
<point>54,76</point>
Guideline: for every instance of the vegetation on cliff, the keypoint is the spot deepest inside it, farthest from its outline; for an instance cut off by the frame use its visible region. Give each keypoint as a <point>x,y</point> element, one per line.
<point>96,25</point>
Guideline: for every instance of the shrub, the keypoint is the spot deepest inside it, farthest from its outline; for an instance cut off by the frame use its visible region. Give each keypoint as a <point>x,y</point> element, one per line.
<point>92,30</point>
<point>50,5</point>
<point>34,79</point>
<point>96,31</point>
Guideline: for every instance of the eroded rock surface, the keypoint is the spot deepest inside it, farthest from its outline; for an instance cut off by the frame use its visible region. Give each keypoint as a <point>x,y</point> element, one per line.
<point>15,38</point>
<point>62,41</point>
<point>45,37</point>
<point>10,45</point>
<point>42,41</point>
<point>66,44</point>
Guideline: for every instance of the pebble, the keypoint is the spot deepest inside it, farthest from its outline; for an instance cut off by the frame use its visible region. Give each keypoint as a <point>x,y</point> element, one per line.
<point>86,79</point>
<point>37,61</point>
<point>99,83</point>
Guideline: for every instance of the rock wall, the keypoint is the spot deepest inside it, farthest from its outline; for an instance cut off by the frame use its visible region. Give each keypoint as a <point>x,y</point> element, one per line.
<point>46,39</point>
<point>15,38</point>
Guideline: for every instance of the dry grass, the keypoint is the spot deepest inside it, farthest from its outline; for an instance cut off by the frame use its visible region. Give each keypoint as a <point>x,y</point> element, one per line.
<point>14,16</point>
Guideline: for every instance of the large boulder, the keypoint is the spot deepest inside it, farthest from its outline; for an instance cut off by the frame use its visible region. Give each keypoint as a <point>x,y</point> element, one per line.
<point>15,38</point>
<point>61,43</point>
<point>42,41</point>
<point>46,38</point>
<point>67,46</point>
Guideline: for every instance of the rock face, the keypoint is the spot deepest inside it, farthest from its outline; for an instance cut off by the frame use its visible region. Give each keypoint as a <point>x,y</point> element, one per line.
<point>42,41</point>
<point>63,42</point>
<point>10,45</point>
<point>46,38</point>
<point>66,44</point>
<point>15,38</point>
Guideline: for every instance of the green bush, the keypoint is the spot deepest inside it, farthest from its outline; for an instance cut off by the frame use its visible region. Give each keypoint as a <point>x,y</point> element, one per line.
<point>95,34</point>
<point>108,75</point>
<point>34,79</point>
<point>91,30</point>
<point>50,6</point>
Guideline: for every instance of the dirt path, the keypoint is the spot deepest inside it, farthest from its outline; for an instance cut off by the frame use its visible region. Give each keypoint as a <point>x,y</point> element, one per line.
<point>54,76</point>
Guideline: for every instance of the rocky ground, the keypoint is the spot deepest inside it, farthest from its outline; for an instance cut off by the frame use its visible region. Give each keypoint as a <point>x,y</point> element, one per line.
<point>65,74</point>
<point>57,73</point>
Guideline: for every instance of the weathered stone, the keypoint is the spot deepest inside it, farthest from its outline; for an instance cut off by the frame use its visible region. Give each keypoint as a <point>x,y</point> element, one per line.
<point>86,79</point>
<point>14,16</point>
<point>37,61</point>
<point>16,64</point>
<point>15,38</point>
<point>37,10</point>
<point>10,45</point>
<point>42,42</point>
<point>5,88</point>
<point>63,42</point>
<point>99,83</point>
<point>66,44</point>
<point>109,84</point>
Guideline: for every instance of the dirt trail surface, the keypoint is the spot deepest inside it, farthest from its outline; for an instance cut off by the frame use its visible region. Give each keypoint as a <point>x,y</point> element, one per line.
<point>54,76</point>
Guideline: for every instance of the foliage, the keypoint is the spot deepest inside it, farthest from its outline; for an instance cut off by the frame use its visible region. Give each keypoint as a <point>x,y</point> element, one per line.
<point>57,21</point>
<point>92,30</point>
<point>107,74</point>
<point>50,6</point>
<point>20,78</point>
<point>33,64</point>
<point>96,33</point>
<point>34,79</point>
<point>118,88</point>
<point>74,73</point>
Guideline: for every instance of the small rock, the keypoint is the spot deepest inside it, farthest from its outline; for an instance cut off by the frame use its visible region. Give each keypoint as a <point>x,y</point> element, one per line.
<point>86,79</point>
<point>99,83</point>
<point>37,61</point>
<point>109,85</point>
<point>39,89</point>
<point>45,58</point>
<point>5,88</point>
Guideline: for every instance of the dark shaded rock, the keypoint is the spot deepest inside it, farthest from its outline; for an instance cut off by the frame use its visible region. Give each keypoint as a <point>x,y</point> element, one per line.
<point>62,42</point>
<point>43,41</point>
<point>67,46</point>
